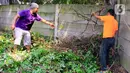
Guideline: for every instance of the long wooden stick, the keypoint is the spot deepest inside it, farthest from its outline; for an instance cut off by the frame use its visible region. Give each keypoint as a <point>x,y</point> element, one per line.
<point>91,19</point>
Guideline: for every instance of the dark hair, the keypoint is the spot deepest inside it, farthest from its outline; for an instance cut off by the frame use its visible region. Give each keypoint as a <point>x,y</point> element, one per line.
<point>111,11</point>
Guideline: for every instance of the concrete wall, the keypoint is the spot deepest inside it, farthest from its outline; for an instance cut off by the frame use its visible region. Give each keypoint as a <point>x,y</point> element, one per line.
<point>73,25</point>
<point>47,12</point>
<point>124,37</point>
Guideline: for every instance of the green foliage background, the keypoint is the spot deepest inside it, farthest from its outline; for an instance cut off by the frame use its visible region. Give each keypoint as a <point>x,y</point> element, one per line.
<point>66,1</point>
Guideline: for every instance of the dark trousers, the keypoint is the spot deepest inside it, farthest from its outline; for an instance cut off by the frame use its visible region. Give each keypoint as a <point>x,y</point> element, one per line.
<point>106,45</point>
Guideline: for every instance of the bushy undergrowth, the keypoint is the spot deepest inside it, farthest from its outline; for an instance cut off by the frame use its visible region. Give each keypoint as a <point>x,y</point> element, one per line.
<point>45,58</point>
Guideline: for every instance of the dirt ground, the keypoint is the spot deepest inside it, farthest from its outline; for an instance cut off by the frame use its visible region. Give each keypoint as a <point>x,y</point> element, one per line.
<point>118,69</point>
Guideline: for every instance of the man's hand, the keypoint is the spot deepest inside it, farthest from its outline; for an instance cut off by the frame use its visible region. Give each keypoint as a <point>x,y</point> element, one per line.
<point>52,25</point>
<point>93,13</point>
<point>13,27</point>
<point>49,23</point>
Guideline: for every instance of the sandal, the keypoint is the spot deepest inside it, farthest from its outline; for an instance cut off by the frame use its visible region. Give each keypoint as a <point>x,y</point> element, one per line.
<point>102,72</point>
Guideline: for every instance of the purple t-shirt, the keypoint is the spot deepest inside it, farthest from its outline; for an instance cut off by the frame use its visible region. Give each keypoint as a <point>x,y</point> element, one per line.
<point>26,19</point>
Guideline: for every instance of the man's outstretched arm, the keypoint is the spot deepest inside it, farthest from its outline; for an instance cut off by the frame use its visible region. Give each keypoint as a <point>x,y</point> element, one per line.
<point>47,22</point>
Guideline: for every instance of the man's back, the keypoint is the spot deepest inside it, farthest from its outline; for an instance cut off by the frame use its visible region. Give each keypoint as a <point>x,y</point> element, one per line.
<point>110,26</point>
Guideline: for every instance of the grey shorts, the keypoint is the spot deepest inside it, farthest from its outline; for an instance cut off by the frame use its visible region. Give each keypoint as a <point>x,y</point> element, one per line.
<point>19,34</point>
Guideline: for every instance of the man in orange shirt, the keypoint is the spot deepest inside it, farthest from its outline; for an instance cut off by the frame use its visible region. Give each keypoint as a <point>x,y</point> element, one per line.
<point>110,28</point>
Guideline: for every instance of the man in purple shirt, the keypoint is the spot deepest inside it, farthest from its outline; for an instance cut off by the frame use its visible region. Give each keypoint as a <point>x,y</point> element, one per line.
<point>22,24</point>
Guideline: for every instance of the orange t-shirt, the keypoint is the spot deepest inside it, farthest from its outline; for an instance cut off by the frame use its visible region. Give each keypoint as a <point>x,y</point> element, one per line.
<point>110,26</point>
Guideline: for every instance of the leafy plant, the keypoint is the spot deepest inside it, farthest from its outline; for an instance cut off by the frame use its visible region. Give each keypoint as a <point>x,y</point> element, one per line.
<point>44,59</point>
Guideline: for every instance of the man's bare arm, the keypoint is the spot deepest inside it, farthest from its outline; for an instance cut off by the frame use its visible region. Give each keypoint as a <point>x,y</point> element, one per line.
<point>94,14</point>
<point>46,22</point>
<point>14,21</point>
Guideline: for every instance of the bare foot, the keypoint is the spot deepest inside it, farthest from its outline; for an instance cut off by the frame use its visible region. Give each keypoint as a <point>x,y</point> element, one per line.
<point>102,72</point>
<point>28,51</point>
<point>14,51</point>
